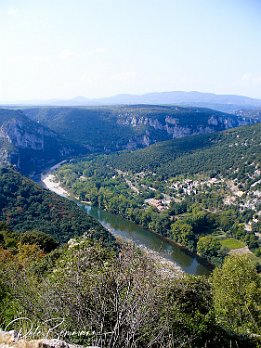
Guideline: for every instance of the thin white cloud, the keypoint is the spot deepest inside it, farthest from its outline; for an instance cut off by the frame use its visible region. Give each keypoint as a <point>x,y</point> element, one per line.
<point>91,77</point>
<point>9,11</point>
<point>67,54</point>
<point>21,59</point>
<point>12,11</point>
<point>100,50</point>
<point>124,77</point>
<point>251,79</point>
<point>96,51</point>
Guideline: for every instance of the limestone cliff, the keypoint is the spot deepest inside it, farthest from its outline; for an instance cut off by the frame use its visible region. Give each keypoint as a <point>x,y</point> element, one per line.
<point>28,145</point>
<point>153,126</point>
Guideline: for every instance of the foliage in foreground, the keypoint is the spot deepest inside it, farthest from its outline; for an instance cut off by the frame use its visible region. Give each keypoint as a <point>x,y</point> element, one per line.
<point>84,293</point>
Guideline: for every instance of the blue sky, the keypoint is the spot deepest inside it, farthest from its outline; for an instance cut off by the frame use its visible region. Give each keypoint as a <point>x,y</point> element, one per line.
<point>97,48</point>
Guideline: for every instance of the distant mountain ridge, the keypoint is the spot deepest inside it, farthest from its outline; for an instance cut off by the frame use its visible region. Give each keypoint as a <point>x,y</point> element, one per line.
<point>226,103</point>
<point>180,97</point>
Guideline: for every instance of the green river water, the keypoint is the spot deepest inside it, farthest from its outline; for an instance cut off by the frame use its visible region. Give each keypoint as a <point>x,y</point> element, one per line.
<point>141,237</point>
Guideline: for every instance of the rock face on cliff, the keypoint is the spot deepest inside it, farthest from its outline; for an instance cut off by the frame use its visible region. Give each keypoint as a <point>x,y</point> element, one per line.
<point>182,122</point>
<point>106,129</point>
<point>30,146</point>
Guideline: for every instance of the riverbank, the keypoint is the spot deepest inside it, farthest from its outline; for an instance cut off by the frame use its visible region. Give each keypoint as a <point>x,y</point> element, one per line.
<point>167,268</point>
<point>49,182</point>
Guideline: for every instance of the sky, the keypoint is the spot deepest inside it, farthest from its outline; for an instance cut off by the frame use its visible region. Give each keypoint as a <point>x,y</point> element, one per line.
<point>60,49</point>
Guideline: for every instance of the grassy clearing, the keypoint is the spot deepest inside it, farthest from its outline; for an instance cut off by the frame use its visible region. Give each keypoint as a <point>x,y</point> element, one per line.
<point>232,243</point>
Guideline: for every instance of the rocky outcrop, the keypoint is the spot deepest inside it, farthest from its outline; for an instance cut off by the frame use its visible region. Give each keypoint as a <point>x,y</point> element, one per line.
<point>12,339</point>
<point>172,127</point>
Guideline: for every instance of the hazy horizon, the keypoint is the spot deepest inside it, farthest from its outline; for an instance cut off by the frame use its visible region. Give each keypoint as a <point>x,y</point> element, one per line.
<point>39,100</point>
<point>97,49</point>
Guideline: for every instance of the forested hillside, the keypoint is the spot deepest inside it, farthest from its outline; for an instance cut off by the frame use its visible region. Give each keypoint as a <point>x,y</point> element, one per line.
<point>202,192</point>
<point>25,206</point>
<point>235,154</point>
<point>107,129</point>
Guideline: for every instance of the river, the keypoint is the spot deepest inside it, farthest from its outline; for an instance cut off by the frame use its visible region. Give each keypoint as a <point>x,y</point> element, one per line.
<point>128,230</point>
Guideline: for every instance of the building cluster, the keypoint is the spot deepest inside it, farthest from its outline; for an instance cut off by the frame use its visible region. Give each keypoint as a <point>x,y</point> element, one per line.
<point>191,187</point>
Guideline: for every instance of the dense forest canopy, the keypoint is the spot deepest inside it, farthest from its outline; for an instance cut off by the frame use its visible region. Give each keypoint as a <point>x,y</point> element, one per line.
<point>216,153</point>
<point>25,206</point>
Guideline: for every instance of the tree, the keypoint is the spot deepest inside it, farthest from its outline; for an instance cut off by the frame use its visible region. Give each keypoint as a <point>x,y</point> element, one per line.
<point>237,295</point>
<point>210,248</point>
<point>45,242</point>
<point>199,219</point>
<point>182,233</point>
